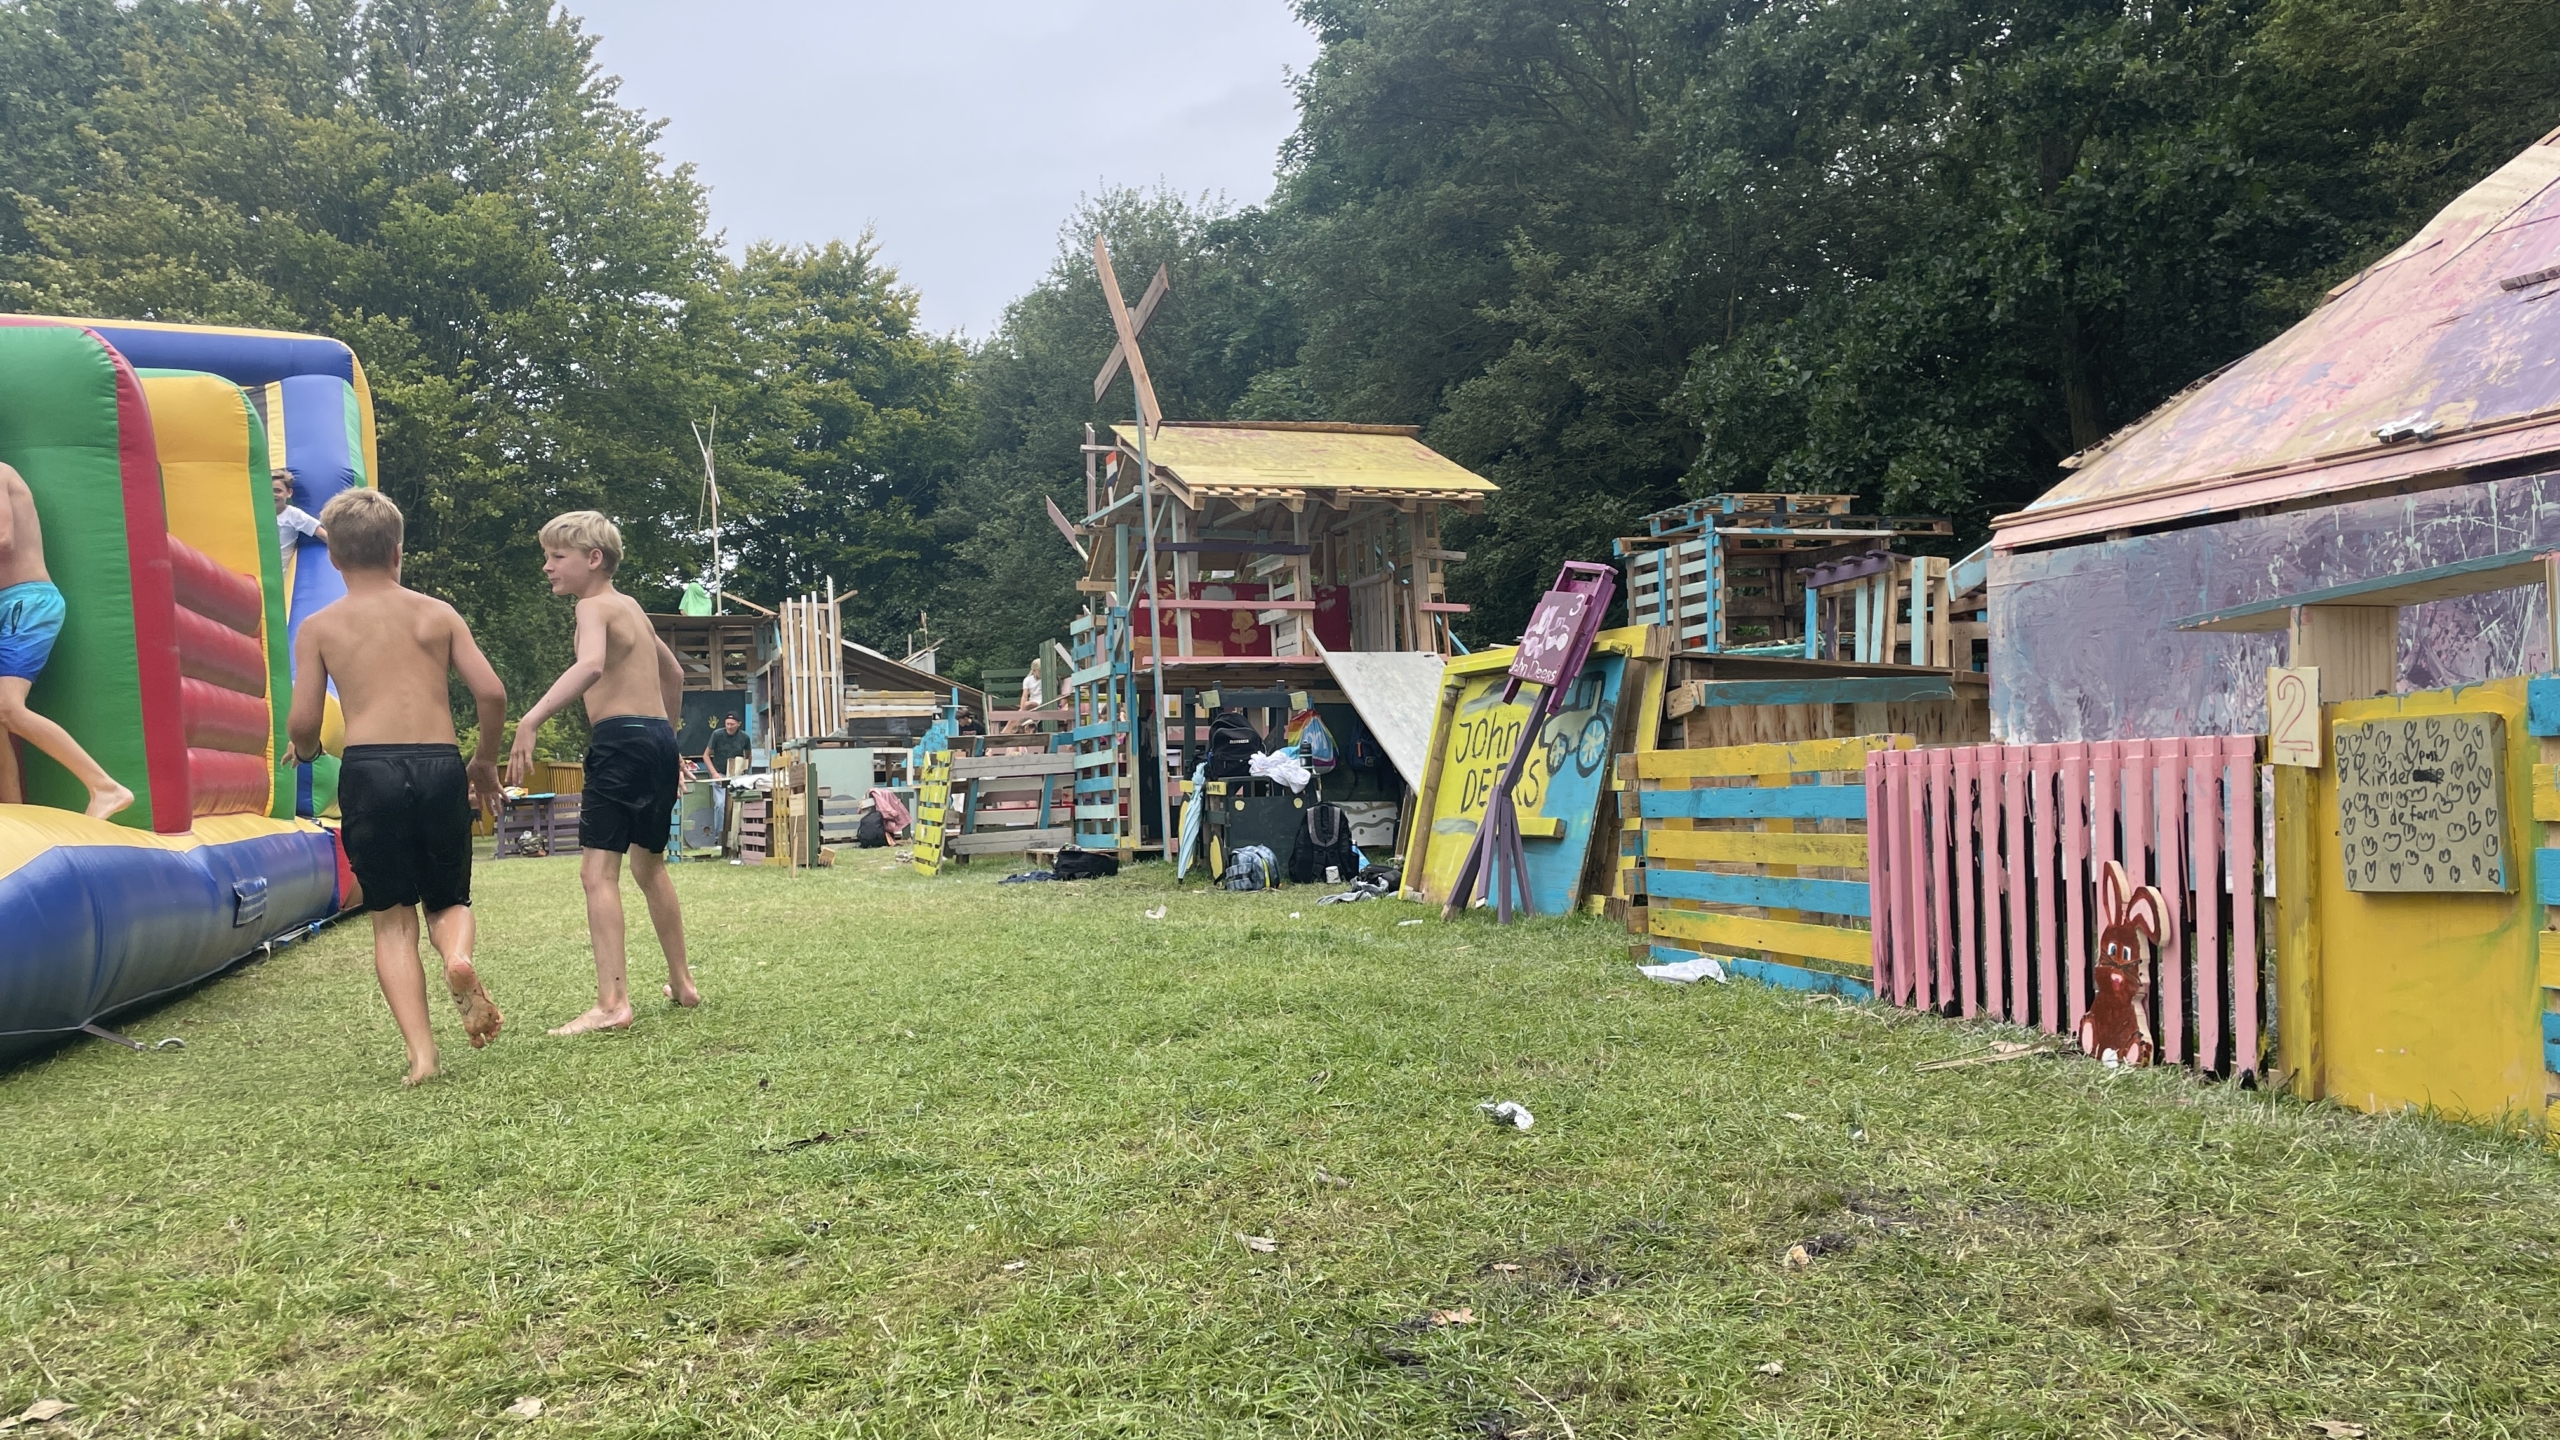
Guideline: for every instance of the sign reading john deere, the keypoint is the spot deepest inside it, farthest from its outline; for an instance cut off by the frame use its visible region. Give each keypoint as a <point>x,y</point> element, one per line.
<point>2422,803</point>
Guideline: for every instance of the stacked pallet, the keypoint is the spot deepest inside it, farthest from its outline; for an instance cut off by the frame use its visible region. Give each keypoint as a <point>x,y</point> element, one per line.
<point>1729,571</point>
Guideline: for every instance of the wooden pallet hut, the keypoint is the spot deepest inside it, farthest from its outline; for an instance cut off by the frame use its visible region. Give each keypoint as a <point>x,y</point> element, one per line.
<point>1276,545</point>
<point>1777,574</point>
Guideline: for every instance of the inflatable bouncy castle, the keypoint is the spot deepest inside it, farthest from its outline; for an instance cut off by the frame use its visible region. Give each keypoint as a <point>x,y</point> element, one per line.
<point>148,449</point>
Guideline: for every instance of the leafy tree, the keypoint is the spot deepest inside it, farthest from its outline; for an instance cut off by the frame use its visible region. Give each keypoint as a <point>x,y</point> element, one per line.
<point>1224,322</point>
<point>449,186</point>
<point>844,429</point>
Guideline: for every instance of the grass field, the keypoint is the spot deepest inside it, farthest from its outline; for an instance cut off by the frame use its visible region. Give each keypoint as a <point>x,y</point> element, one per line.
<point>939,1158</point>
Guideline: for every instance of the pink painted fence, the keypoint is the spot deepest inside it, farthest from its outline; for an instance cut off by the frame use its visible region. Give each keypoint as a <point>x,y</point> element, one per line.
<point>1983,865</point>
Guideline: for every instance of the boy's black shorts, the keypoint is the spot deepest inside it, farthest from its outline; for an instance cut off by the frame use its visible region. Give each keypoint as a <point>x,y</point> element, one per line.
<point>406,823</point>
<point>632,770</point>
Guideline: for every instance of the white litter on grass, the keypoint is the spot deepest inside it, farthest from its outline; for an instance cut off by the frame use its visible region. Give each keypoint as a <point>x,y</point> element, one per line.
<point>1508,1112</point>
<point>526,1408</point>
<point>1704,967</point>
<point>1157,913</point>
<point>1403,923</point>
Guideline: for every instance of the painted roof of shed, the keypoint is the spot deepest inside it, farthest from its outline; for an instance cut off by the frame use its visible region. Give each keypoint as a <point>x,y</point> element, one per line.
<point>2427,333</point>
<point>1223,457</point>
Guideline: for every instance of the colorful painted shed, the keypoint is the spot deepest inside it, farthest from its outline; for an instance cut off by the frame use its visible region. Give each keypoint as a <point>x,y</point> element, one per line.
<point>2369,482</point>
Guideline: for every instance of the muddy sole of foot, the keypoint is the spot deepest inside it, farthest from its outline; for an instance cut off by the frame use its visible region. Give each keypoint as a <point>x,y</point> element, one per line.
<point>480,1018</point>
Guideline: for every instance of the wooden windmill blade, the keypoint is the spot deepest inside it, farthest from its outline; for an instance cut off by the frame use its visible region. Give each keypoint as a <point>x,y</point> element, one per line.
<point>1066,527</point>
<point>1119,352</point>
<point>1149,414</point>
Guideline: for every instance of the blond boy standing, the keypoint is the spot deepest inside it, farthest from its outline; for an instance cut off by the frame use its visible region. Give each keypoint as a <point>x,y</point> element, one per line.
<point>404,791</point>
<point>631,685</point>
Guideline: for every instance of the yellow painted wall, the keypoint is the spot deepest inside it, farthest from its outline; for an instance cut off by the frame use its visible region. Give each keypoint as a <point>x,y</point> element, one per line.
<point>2417,999</point>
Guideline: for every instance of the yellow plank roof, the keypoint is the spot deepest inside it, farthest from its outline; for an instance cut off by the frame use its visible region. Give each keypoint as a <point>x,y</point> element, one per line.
<point>1283,456</point>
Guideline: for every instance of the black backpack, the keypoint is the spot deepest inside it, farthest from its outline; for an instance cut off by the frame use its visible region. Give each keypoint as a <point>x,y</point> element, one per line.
<point>1324,840</point>
<point>871,832</point>
<point>1085,865</point>
<point>1233,742</point>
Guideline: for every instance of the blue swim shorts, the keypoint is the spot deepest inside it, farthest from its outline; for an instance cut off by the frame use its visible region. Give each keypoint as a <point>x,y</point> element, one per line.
<point>30,621</point>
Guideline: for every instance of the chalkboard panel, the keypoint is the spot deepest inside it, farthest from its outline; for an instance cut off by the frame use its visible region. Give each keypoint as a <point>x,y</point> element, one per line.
<point>2422,803</point>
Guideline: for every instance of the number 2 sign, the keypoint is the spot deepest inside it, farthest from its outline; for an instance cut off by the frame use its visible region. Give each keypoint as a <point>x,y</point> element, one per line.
<point>2293,716</point>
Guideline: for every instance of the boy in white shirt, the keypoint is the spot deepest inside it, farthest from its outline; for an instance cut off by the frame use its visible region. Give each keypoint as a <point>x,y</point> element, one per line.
<point>292,519</point>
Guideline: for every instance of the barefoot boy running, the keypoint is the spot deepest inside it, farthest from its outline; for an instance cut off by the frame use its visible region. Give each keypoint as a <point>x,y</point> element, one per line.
<point>402,786</point>
<point>632,685</point>
<point>30,621</point>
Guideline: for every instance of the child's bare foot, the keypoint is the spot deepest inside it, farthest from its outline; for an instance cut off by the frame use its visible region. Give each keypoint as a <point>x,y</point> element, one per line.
<point>420,1072</point>
<point>480,1019</point>
<point>103,803</point>
<point>599,1018</point>
<point>684,995</point>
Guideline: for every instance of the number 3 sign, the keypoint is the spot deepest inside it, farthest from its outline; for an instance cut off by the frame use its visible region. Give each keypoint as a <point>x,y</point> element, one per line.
<point>2293,716</point>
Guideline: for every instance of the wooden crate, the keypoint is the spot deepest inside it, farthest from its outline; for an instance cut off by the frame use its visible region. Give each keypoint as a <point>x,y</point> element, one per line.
<point>755,831</point>
<point>552,821</point>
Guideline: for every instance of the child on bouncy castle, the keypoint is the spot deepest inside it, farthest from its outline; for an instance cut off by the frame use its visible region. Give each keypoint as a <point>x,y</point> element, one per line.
<point>31,614</point>
<point>633,690</point>
<point>404,792</point>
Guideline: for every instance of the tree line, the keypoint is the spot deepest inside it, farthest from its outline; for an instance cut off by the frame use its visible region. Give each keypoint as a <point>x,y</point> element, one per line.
<point>1610,253</point>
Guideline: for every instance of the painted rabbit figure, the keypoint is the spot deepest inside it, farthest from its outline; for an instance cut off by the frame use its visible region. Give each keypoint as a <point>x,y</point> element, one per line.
<point>2117,1025</point>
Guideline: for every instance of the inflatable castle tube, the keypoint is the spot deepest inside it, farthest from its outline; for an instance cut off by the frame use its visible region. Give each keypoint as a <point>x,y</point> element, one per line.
<point>148,450</point>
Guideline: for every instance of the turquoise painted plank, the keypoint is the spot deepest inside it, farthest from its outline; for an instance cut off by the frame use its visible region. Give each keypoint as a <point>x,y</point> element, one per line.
<point>2551,1055</point>
<point>2551,1024</point>
<point>1774,892</point>
<point>2546,876</point>
<point>1744,802</point>
<point>2542,705</point>
<point>1780,976</point>
<point>1796,977</point>
<point>2515,569</point>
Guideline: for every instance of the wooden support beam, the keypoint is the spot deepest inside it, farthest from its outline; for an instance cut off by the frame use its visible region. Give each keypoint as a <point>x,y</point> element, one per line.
<point>2356,648</point>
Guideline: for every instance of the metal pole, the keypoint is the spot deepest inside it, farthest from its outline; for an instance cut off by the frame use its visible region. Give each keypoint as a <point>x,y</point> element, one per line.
<point>1155,634</point>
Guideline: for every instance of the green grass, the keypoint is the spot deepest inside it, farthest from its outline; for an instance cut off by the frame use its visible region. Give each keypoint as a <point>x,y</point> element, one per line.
<point>1054,1118</point>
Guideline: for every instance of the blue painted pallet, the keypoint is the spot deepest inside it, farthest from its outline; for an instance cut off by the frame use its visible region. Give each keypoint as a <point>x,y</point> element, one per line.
<point>1778,973</point>
<point>1745,802</point>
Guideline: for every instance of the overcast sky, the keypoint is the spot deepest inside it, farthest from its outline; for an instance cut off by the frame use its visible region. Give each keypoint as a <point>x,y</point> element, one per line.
<point>961,131</point>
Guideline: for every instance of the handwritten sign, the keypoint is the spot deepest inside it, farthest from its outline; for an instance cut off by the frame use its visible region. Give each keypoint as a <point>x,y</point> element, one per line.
<point>2422,803</point>
<point>1558,793</point>
<point>2293,716</point>
<point>1547,646</point>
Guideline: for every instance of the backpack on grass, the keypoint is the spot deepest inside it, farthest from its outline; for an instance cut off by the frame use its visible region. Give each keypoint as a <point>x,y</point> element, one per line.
<point>1324,843</point>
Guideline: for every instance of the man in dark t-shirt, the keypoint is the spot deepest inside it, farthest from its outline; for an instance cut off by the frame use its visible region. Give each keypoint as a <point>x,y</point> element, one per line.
<point>728,743</point>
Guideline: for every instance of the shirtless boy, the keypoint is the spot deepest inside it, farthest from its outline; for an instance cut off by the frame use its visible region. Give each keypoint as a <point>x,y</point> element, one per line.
<point>632,685</point>
<point>403,788</point>
<point>31,615</point>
